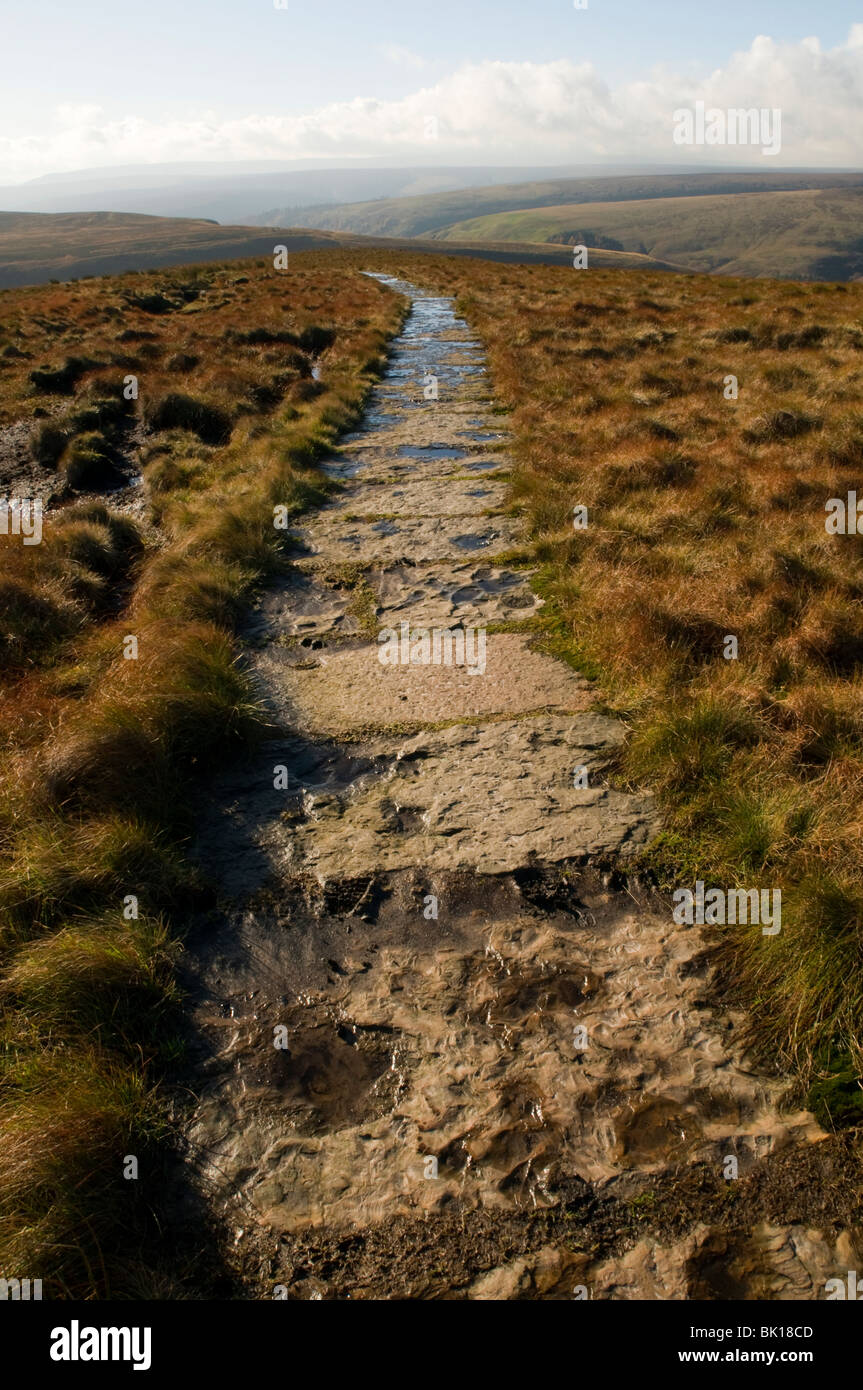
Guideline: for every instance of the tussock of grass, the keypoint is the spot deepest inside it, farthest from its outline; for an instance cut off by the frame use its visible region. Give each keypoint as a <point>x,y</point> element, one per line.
<point>183,412</point>
<point>67,866</point>
<point>31,619</point>
<point>691,746</point>
<point>62,380</point>
<point>97,978</point>
<point>49,592</point>
<point>69,1117</point>
<point>48,442</point>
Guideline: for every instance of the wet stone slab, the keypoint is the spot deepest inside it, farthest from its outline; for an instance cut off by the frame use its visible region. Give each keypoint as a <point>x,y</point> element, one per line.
<point>440,594</point>
<point>417,497</point>
<point>439,424</point>
<point>385,465</point>
<point>456,1037</point>
<point>468,593</point>
<point>411,538</point>
<point>766,1264</point>
<point>341,691</point>
<point>492,797</point>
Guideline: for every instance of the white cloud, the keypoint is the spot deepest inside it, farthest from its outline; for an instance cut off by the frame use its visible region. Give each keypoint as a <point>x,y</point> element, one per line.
<point>402,57</point>
<point>501,112</point>
<point>79,113</point>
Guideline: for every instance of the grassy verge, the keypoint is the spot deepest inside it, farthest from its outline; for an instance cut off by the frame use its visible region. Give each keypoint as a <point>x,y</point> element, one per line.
<point>107,738</point>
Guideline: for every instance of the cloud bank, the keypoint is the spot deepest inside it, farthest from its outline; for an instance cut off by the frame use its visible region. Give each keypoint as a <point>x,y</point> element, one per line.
<point>499,112</point>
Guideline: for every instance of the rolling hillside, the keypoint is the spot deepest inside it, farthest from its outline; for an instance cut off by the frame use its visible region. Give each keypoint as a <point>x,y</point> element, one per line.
<point>239,192</point>
<point>427,214</point>
<point>809,234</point>
<point>787,226</point>
<point>800,226</point>
<point>36,247</point>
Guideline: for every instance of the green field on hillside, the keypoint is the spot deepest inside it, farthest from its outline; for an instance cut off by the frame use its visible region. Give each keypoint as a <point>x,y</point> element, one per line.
<point>806,234</point>
<point>801,226</point>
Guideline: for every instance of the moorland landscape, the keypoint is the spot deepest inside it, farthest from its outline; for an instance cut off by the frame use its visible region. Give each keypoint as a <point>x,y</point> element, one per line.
<point>431,627</point>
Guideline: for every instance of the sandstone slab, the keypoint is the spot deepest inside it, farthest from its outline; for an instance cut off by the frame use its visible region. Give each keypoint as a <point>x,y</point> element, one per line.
<point>343,690</point>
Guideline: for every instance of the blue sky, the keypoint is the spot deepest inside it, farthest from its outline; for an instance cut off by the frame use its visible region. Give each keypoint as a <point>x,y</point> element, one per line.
<point>168,64</point>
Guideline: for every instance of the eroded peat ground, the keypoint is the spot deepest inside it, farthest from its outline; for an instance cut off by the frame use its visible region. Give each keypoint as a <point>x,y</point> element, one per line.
<point>443,1046</point>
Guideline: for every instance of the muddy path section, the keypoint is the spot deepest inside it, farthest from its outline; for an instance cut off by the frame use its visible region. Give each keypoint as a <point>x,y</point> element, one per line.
<point>437,1049</point>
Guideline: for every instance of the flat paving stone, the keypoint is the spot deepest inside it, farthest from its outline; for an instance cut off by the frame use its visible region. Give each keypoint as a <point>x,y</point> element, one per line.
<point>418,497</point>
<point>349,689</point>
<point>490,797</point>
<point>416,538</point>
<point>435,594</point>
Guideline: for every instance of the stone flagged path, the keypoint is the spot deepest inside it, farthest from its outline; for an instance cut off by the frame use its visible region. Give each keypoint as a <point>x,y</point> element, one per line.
<point>490,796</point>
<point>449,1034</point>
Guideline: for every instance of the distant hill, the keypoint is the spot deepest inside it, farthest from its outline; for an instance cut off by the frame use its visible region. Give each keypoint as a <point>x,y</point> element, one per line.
<point>813,234</point>
<point>427,215</point>
<point>236,192</point>
<point>798,226</point>
<point>36,247</point>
